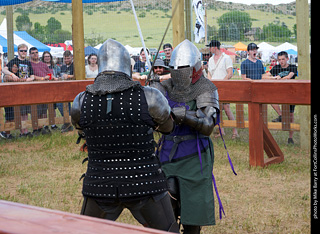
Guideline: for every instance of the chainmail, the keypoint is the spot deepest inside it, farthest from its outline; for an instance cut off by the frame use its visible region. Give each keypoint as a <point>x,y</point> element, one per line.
<point>111,82</point>
<point>201,86</point>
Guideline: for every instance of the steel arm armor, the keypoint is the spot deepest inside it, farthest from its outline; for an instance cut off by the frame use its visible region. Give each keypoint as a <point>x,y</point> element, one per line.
<point>159,110</point>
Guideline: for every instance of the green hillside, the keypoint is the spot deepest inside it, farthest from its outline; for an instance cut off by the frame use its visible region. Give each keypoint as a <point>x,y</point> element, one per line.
<point>117,21</point>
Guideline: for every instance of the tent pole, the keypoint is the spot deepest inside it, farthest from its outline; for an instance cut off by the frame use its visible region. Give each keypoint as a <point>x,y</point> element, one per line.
<point>140,33</point>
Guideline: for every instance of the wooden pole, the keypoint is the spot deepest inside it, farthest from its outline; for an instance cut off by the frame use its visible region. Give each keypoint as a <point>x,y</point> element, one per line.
<point>303,39</point>
<point>189,30</point>
<point>9,15</point>
<point>205,24</point>
<point>178,23</point>
<point>78,40</point>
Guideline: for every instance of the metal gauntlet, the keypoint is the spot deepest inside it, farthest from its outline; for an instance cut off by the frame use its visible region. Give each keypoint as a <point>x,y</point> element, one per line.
<point>201,120</point>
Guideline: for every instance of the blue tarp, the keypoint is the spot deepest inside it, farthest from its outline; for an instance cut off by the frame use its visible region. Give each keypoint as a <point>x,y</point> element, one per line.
<point>83,1</point>
<point>3,43</point>
<point>34,42</point>
<point>12,2</point>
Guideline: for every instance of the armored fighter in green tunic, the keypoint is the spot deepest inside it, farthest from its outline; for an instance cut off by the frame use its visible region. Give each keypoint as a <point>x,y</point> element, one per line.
<point>187,154</point>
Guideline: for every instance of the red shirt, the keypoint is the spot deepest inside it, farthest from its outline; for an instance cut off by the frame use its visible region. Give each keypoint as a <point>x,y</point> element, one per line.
<point>40,69</point>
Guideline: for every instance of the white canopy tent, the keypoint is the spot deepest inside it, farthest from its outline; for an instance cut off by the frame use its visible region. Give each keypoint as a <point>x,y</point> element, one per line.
<point>22,37</point>
<point>266,50</point>
<point>286,46</point>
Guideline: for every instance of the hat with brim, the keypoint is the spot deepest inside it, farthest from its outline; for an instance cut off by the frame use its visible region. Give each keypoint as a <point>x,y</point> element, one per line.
<point>159,63</point>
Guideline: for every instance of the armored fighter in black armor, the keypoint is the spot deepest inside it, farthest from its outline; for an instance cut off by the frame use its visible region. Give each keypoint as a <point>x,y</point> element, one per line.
<point>117,116</point>
<point>187,153</point>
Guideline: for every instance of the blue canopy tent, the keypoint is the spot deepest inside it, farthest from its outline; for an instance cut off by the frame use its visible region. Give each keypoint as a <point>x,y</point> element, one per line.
<point>90,50</point>
<point>292,52</point>
<point>31,40</point>
<point>3,44</point>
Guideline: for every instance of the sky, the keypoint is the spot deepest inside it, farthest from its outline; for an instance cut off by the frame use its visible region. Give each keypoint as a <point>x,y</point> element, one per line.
<point>249,2</point>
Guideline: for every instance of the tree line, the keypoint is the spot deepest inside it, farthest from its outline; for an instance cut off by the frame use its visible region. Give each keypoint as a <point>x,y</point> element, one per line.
<point>52,32</point>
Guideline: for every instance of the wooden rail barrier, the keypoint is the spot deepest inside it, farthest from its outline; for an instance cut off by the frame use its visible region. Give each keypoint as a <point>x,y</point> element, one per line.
<point>20,218</point>
<point>255,93</point>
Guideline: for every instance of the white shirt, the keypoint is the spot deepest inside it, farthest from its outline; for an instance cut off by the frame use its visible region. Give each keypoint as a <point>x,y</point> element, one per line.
<point>90,73</point>
<point>219,72</point>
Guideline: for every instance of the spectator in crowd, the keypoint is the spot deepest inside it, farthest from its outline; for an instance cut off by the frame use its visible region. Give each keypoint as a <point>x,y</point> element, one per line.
<point>41,73</point>
<point>283,71</point>
<point>252,68</point>
<point>54,68</point>
<point>221,68</point>
<point>205,52</point>
<point>167,49</point>
<point>23,74</point>
<point>273,62</point>
<point>158,71</point>
<point>141,66</point>
<point>40,69</point>
<point>66,74</point>
<point>67,68</point>
<point>9,111</point>
<point>92,67</point>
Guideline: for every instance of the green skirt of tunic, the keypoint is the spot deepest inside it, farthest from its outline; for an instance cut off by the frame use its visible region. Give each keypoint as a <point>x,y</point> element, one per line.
<point>196,190</point>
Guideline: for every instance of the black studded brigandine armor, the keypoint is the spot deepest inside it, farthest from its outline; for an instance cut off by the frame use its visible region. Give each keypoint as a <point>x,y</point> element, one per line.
<point>121,159</point>
<point>117,117</point>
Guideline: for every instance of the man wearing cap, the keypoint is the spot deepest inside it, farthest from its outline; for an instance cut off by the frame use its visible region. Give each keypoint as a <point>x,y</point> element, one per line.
<point>252,68</point>
<point>221,68</point>
<point>220,64</point>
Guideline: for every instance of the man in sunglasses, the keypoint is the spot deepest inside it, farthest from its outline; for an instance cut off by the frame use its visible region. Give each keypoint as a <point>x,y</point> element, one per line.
<point>158,71</point>
<point>25,71</point>
<point>20,69</point>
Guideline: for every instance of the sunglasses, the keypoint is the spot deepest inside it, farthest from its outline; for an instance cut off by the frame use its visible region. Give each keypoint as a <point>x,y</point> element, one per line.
<point>23,51</point>
<point>35,52</point>
<point>158,67</point>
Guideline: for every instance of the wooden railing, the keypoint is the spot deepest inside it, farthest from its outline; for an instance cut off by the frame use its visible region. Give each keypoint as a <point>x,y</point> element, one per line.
<point>20,218</point>
<point>254,93</point>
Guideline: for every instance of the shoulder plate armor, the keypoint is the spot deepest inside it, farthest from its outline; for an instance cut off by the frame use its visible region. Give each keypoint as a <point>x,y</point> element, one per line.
<point>208,99</point>
<point>76,110</point>
<point>159,109</point>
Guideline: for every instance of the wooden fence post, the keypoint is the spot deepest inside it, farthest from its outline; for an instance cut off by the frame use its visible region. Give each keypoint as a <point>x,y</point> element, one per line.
<point>78,40</point>
<point>303,39</point>
<point>178,22</point>
<point>255,135</point>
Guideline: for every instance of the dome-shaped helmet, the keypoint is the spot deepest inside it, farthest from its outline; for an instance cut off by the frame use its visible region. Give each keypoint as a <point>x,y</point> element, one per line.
<point>113,56</point>
<point>185,64</point>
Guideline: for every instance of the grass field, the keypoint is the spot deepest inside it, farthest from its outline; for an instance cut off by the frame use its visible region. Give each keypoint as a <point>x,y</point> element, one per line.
<point>44,171</point>
<point>121,25</point>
